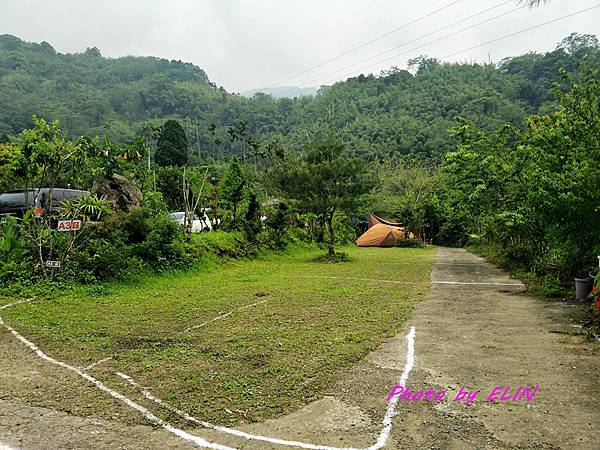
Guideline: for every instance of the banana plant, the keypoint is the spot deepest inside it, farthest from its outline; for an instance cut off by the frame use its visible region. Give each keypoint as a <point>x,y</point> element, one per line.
<point>91,208</point>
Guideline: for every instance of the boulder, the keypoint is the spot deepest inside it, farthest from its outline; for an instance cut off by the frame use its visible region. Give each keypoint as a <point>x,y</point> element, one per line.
<point>121,192</point>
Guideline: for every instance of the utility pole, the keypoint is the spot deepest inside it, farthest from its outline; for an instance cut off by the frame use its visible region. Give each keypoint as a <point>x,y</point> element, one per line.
<point>197,124</point>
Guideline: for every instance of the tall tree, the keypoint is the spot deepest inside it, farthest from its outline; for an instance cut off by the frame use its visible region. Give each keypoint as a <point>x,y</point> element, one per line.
<point>252,222</point>
<point>233,188</point>
<point>172,145</point>
<point>324,179</point>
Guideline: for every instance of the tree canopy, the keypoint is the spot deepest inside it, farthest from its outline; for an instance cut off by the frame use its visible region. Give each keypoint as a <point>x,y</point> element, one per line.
<point>172,145</point>
<point>324,178</point>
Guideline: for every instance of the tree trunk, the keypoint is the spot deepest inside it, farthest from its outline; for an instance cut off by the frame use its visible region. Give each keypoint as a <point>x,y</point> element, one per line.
<point>331,235</point>
<point>234,218</point>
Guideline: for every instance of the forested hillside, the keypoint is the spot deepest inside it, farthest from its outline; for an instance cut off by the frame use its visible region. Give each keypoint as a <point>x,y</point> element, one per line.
<point>397,112</point>
<point>500,155</point>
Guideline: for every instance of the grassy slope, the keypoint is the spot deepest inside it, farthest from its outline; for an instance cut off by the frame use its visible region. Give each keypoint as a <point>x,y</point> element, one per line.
<point>253,364</point>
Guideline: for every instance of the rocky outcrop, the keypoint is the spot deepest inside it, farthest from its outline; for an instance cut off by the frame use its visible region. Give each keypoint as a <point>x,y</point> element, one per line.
<point>120,191</point>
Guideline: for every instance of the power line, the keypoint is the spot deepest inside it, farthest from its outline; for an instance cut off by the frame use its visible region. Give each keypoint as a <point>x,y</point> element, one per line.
<point>347,52</point>
<point>421,37</point>
<point>522,31</point>
<point>488,42</point>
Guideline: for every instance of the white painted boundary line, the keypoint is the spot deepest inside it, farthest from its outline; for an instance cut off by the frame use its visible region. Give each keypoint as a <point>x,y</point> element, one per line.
<point>381,440</point>
<point>466,283</point>
<point>355,279</point>
<point>222,316</point>
<point>97,363</point>
<point>27,300</point>
<point>391,409</point>
<point>147,414</point>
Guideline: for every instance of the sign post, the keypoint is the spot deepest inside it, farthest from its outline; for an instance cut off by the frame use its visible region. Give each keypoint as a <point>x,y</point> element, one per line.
<point>53,266</point>
<point>69,225</point>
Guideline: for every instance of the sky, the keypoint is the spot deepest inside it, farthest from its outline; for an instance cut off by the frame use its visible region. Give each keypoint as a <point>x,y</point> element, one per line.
<point>246,44</point>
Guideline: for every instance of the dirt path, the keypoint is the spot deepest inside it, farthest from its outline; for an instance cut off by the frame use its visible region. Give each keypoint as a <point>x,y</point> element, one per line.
<point>475,329</point>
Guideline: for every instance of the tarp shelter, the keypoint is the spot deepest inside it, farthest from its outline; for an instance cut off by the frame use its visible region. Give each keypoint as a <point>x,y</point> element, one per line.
<point>380,235</point>
<point>374,220</point>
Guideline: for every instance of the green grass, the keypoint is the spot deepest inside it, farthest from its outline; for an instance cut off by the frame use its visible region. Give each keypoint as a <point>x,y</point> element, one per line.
<point>254,364</point>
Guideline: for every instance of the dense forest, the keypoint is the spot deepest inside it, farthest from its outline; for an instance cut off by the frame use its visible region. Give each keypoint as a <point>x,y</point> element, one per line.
<point>398,112</point>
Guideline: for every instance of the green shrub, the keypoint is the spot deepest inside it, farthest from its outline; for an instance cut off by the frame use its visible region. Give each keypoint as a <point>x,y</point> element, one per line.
<point>220,243</point>
<point>339,257</point>
<point>251,223</point>
<point>410,243</point>
<point>16,253</point>
<point>102,258</point>
<point>162,242</point>
<point>272,239</point>
<point>15,272</point>
<point>552,286</point>
<point>277,223</point>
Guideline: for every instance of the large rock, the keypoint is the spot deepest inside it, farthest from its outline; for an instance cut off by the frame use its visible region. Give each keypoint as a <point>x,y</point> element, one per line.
<point>121,192</point>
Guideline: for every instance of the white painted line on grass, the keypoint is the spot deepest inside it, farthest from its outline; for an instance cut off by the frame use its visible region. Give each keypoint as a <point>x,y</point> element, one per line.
<point>147,414</point>
<point>381,440</point>
<point>222,316</point>
<point>467,283</point>
<point>15,304</point>
<point>354,279</point>
<point>97,363</point>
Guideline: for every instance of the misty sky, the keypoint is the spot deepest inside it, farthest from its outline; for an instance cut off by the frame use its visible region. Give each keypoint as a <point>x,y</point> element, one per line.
<point>245,44</point>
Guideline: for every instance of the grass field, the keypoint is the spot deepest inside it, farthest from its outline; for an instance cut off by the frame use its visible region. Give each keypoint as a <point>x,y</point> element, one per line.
<point>244,341</point>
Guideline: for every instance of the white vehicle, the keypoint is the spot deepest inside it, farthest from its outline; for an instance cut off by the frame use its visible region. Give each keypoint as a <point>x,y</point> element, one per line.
<point>179,217</point>
<point>199,224</point>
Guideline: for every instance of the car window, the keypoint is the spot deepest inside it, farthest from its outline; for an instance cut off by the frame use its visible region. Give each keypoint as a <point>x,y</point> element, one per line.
<point>16,199</point>
<point>63,195</point>
<point>58,196</point>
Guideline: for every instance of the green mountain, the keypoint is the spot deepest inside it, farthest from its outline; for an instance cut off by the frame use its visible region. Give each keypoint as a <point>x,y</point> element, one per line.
<point>397,112</point>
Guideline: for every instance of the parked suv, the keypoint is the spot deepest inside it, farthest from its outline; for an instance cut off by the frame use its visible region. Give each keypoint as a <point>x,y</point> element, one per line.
<point>198,223</point>
<point>17,202</point>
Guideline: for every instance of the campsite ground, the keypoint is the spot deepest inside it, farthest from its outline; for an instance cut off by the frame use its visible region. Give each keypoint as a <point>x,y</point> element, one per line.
<point>306,344</point>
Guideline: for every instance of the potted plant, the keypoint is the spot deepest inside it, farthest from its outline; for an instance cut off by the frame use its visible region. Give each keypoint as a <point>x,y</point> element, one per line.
<point>583,284</point>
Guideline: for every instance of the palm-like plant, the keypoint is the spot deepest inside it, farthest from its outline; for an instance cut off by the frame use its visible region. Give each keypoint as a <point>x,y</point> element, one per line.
<point>85,208</point>
<point>10,239</point>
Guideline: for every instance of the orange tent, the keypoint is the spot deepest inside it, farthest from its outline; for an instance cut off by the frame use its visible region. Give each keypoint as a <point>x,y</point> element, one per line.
<point>374,220</point>
<point>380,235</point>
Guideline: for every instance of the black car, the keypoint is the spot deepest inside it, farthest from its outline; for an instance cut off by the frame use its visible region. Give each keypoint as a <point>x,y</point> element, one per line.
<point>17,202</point>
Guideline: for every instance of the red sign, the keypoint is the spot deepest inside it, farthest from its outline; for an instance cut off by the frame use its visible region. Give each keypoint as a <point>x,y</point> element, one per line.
<point>69,225</point>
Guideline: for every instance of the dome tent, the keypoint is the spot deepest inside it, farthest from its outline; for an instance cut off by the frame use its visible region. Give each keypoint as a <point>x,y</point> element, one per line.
<point>381,233</point>
<point>378,235</point>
